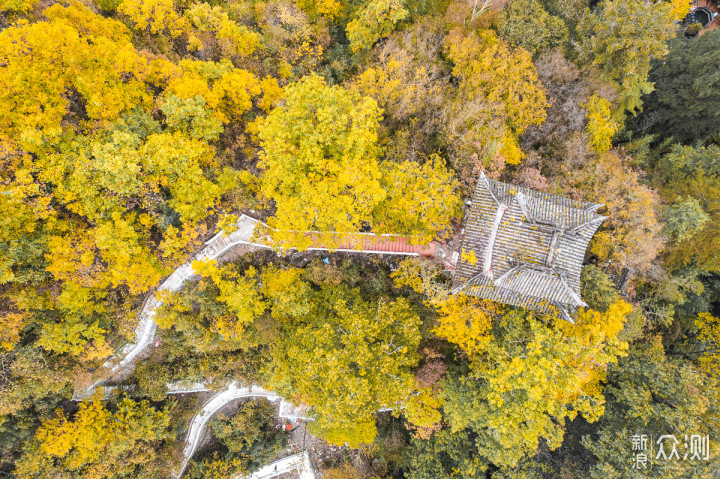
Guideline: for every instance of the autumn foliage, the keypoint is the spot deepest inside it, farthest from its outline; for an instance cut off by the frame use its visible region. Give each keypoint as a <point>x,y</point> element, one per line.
<point>133,131</point>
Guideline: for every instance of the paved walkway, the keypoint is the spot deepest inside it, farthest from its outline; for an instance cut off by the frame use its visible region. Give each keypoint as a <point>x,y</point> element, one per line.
<point>299,463</point>
<point>199,422</point>
<point>216,247</point>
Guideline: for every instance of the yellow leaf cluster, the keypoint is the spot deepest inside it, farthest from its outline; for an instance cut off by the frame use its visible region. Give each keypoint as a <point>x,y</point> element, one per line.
<point>320,161</point>
<point>467,322</point>
<point>601,127</point>
<point>17,5</point>
<point>11,324</point>
<point>680,9</point>
<point>328,8</point>
<point>228,91</point>
<point>375,20</point>
<point>501,74</point>
<point>709,327</point>
<point>469,256</point>
<point>347,357</point>
<point>423,411</point>
<point>498,97</point>
<point>290,296</point>
<point>422,277</point>
<point>97,443</point>
<point>422,200</point>
<point>154,16</point>
<point>529,376</point>
<point>234,38</point>
<point>73,50</point>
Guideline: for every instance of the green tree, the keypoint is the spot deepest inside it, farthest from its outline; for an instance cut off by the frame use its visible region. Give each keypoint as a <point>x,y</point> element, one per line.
<point>446,455</point>
<point>692,174</point>
<point>28,375</point>
<point>654,394</point>
<point>190,116</point>
<point>375,20</point>
<point>251,432</point>
<point>108,5</point>
<point>527,24</point>
<point>684,218</point>
<point>621,38</point>
<point>597,289</point>
<point>248,440</point>
<point>684,103</point>
<point>218,312</point>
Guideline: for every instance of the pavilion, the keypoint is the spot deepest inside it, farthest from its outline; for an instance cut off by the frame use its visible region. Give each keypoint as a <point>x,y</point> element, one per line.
<point>525,248</point>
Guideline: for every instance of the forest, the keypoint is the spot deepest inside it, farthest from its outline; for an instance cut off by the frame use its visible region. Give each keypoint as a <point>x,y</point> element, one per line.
<point>134,131</point>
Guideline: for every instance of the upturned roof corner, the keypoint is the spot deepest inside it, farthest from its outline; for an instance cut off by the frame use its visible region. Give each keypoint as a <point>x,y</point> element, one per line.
<point>528,248</point>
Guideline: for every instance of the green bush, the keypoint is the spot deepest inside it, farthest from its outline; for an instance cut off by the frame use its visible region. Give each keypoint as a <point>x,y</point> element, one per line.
<point>108,5</point>
<point>597,289</point>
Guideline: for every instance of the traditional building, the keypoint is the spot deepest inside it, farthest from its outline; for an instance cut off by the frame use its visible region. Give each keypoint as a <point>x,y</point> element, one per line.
<point>525,248</point>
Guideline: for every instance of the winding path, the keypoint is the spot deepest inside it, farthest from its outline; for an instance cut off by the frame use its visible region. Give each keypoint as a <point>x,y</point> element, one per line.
<point>216,247</point>
<point>199,422</point>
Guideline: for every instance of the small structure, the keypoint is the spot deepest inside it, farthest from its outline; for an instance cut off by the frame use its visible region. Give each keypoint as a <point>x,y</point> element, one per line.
<point>701,17</point>
<point>525,248</point>
<point>297,464</point>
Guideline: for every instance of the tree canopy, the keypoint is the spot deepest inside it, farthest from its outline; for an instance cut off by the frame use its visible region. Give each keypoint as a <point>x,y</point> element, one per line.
<point>100,443</point>
<point>526,377</point>
<point>135,133</point>
<point>347,358</point>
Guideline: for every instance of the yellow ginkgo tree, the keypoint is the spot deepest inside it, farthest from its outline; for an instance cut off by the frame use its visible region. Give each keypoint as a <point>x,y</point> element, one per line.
<point>347,358</point>
<point>709,327</point>
<point>154,16</point>
<point>497,99</point>
<point>101,194</point>
<point>422,200</point>
<point>527,375</point>
<point>100,442</point>
<point>320,161</point>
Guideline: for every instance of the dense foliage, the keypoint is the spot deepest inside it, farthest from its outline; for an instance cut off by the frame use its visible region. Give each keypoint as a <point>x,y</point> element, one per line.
<point>132,131</point>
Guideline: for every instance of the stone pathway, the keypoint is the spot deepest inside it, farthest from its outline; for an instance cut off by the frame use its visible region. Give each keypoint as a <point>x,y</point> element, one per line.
<point>199,422</point>
<point>216,247</point>
<point>299,463</point>
<point>145,333</point>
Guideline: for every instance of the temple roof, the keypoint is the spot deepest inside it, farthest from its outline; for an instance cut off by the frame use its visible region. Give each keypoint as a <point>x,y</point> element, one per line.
<point>525,248</point>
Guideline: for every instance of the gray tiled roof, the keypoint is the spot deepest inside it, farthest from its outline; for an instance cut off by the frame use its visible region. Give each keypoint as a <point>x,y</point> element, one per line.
<point>528,248</point>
